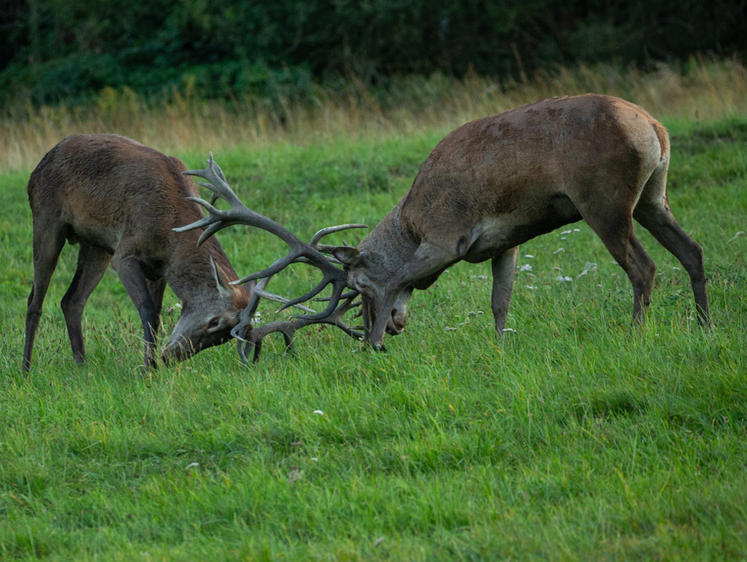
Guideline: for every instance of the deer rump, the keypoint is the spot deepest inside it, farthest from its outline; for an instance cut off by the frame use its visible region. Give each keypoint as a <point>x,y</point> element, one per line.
<point>120,201</point>
<point>491,185</point>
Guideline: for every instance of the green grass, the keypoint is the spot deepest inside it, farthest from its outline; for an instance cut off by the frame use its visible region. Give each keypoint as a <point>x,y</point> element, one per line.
<point>576,439</point>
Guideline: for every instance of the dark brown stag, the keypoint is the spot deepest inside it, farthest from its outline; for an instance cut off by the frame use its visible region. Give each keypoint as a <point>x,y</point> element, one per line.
<point>497,182</point>
<point>120,201</point>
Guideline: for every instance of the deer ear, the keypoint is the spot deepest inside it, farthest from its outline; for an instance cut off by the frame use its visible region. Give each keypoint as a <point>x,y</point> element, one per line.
<point>347,255</point>
<point>220,280</point>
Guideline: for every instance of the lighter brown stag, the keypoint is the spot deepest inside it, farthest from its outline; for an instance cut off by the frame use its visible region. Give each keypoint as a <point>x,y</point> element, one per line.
<point>120,201</point>
<point>500,181</point>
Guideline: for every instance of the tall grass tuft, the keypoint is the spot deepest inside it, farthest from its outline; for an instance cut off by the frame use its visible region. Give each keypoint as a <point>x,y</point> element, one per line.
<point>704,89</point>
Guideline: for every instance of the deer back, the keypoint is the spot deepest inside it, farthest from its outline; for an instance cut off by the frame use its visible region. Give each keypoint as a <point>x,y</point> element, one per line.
<point>525,168</point>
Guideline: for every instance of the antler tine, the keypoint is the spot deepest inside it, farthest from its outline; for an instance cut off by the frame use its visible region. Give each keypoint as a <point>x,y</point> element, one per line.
<point>288,328</point>
<point>343,296</point>
<point>338,286</point>
<point>336,317</point>
<point>247,314</point>
<point>277,298</point>
<point>217,182</point>
<point>253,340</point>
<point>218,219</point>
<point>330,229</point>
<point>276,267</point>
<point>259,291</point>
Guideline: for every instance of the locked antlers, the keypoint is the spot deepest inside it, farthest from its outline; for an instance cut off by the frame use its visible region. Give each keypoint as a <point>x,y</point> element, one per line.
<point>250,338</point>
<point>299,252</point>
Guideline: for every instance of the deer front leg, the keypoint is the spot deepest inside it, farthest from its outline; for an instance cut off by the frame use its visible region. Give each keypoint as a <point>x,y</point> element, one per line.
<point>133,278</point>
<point>504,272</point>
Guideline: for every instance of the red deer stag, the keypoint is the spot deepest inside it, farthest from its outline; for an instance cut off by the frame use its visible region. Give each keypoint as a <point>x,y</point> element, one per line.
<point>120,200</point>
<point>495,183</point>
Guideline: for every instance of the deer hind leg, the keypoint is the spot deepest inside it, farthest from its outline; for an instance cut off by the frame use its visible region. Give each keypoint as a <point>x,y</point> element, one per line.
<point>135,283</point>
<point>654,214</point>
<point>614,225</point>
<point>504,272</point>
<point>47,248</point>
<point>92,263</point>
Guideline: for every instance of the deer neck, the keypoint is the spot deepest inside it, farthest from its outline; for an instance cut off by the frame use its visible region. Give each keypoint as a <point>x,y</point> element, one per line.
<point>391,242</point>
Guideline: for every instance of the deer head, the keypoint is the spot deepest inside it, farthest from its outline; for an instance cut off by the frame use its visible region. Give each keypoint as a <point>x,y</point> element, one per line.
<point>206,321</point>
<point>368,274</point>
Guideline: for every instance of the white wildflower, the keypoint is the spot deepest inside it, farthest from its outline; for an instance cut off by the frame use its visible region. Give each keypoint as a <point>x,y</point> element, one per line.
<point>295,475</point>
<point>563,279</point>
<point>525,267</point>
<point>587,268</point>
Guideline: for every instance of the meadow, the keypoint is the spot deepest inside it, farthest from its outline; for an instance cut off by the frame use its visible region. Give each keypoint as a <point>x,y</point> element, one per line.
<point>575,438</point>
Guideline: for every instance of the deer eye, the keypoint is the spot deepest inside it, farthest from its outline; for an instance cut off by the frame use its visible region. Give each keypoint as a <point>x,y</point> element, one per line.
<point>213,323</point>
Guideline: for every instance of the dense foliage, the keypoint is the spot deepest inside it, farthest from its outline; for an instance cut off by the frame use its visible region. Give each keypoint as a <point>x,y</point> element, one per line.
<point>56,50</point>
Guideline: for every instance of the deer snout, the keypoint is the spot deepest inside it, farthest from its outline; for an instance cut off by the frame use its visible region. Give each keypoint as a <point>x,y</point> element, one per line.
<point>397,322</point>
<point>177,350</point>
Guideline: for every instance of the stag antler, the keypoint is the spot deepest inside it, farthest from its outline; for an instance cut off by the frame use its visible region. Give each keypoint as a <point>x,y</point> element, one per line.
<point>310,253</point>
<point>250,337</point>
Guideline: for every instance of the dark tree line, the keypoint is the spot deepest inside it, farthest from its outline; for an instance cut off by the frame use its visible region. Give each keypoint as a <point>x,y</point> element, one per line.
<point>58,50</point>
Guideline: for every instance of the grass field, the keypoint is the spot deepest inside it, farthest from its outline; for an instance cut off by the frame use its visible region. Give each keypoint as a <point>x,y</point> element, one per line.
<point>575,439</point>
